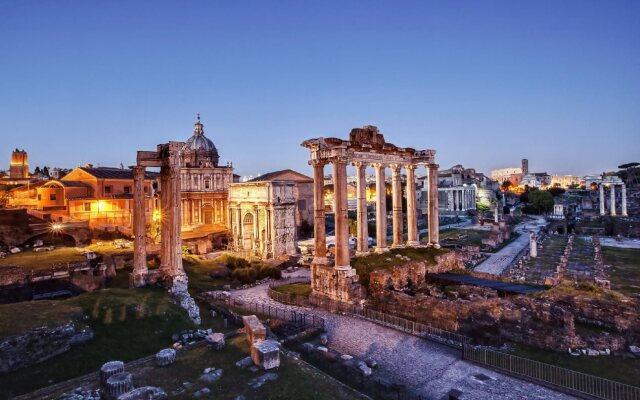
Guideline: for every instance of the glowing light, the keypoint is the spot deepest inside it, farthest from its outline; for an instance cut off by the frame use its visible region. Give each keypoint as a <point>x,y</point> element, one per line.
<point>100,205</point>
<point>56,227</point>
<point>156,215</point>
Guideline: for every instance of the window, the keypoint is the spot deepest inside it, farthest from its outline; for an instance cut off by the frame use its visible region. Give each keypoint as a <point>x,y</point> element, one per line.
<point>87,206</point>
<point>107,189</point>
<point>207,184</point>
<point>39,197</point>
<point>127,189</point>
<point>52,197</point>
<point>302,205</point>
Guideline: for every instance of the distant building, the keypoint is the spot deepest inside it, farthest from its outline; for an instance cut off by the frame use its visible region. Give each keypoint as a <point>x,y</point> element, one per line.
<point>18,169</point>
<point>565,181</point>
<point>513,175</point>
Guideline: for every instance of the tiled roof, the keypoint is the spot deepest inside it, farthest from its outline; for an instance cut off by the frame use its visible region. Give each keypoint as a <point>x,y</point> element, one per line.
<point>73,183</point>
<point>115,173</point>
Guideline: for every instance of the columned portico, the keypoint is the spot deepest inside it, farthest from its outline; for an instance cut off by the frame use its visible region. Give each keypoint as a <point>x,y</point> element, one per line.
<point>613,200</point>
<point>623,193</point>
<point>381,209</point>
<point>366,146</point>
<point>602,206</point>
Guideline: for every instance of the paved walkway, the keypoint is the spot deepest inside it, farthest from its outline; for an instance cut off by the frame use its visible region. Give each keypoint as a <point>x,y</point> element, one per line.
<point>426,367</point>
<point>500,261</point>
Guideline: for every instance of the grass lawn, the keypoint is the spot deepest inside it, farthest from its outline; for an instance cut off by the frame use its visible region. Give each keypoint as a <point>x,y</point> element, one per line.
<point>625,269</point>
<point>42,260</point>
<point>614,368</point>
<point>463,237</point>
<point>198,270</point>
<point>108,248</point>
<point>300,289</point>
<point>128,324</point>
<point>20,317</point>
<point>385,261</point>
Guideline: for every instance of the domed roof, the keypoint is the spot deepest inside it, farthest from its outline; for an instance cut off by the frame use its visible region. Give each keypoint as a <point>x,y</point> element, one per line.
<point>199,141</point>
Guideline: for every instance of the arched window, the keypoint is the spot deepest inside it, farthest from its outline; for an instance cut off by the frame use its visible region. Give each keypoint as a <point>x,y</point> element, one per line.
<point>248,218</point>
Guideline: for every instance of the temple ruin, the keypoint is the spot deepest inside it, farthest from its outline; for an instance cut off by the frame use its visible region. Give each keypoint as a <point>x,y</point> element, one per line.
<point>167,157</point>
<point>366,147</point>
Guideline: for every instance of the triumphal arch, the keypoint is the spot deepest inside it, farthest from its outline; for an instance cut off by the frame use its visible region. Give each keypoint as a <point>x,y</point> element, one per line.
<point>366,147</point>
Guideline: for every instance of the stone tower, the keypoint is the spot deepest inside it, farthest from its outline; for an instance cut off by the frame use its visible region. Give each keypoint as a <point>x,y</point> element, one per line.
<point>19,166</point>
<point>525,167</point>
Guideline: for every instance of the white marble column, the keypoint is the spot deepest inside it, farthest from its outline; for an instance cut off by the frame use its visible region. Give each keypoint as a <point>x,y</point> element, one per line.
<point>256,229</point>
<point>434,223</point>
<point>602,205</point>
<point>613,200</point>
<point>412,219</point>
<point>140,269</point>
<point>623,193</point>
<point>319,235</point>
<point>396,187</point>
<point>381,210</point>
<point>362,245</point>
<point>341,213</point>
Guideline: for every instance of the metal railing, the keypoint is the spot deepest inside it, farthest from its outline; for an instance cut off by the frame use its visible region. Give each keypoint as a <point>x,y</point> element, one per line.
<point>553,376</point>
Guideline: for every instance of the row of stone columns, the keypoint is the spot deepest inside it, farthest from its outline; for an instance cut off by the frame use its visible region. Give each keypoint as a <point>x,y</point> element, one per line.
<point>460,199</point>
<point>612,200</point>
<point>341,210</point>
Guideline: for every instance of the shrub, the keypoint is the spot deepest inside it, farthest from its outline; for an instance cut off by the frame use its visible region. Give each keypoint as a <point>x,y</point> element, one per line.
<point>245,275</point>
<point>234,262</point>
<point>220,272</point>
<point>269,271</point>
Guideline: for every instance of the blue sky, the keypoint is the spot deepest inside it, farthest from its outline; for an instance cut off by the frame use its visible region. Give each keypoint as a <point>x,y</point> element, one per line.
<point>484,83</point>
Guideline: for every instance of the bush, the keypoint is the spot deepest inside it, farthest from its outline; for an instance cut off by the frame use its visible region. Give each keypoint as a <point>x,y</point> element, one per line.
<point>245,275</point>
<point>234,262</point>
<point>269,271</point>
<point>220,273</point>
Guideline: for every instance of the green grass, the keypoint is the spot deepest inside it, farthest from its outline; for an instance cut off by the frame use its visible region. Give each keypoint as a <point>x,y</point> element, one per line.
<point>199,272</point>
<point>385,261</point>
<point>463,237</point>
<point>609,367</point>
<point>21,317</point>
<point>43,260</point>
<point>625,269</point>
<point>300,289</point>
<point>109,248</point>
<point>128,324</point>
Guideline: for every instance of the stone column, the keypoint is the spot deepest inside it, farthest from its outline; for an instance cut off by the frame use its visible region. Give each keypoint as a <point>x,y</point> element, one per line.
<point>175,216</point>
<point>533,245</point>
<point>451,204</point>
<point>165,239</point>
<point>602,205</point>
<point>613,200</point>
<point>396,186</point>
<point>240,239</point>
<point>341,213</point>
<point>256,229</point>
<point>362,246</point>
<point>139,229</point>
<point>412,218</point>
<point>623,194</point>
<point>381,210</point>
<point>434,223</point>
<point>319,235</point>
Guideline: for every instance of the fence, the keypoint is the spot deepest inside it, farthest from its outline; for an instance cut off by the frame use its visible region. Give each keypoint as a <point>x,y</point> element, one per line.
<point>550,375</point>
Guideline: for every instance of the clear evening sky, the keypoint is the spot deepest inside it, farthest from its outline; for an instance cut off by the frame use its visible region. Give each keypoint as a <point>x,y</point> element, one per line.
<point>483,83</point>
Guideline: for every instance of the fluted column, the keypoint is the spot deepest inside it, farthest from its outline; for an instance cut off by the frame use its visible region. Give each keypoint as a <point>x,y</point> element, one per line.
<point>319,235</point>
<point>602,205</point>
<point>139,229</point>
<point>240,239</point>
<point>175,215</point>
<point>412,219</point>
<point>623,193</point>
<point>434,223</point>
<point>165,239</point>
<point>362,245</point>
<point>256,229</point>
<point>613,200</point>
<point>396,187</point>
<point>341,213</point>
<point>381,210</point>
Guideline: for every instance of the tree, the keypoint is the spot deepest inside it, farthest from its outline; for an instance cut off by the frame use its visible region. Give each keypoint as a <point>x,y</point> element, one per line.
<point>36,171</point>
<point>541,200</point>
<point>483,210</point>
<point>556,191</point>
<point>45,171</point>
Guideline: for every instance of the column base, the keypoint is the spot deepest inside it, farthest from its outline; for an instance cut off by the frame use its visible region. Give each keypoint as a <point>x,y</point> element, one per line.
<point>398,246</point>
<point>362,253</point>
<point>320,260</point>
<point>336,284</point>
<point>381,250</point>
<point>413,243</point>
<point>435,245</point>
<point>138,279</point>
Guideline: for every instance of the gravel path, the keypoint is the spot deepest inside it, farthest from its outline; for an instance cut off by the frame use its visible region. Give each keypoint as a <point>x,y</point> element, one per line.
<point>500,261</point>
<point>426,367</point>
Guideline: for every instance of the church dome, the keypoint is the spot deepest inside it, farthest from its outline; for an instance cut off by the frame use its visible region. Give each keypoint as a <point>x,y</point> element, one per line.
<point>200,147</point>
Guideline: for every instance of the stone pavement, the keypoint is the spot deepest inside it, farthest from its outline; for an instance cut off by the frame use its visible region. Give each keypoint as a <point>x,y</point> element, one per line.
<point>500,261</point>
<point>428,368</point>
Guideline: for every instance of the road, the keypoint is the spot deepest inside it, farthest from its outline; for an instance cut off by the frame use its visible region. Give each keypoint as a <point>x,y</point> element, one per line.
<point>500,261</point>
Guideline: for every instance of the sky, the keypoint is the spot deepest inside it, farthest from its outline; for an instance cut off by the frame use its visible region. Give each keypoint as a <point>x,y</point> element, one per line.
<point>485,83</point>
